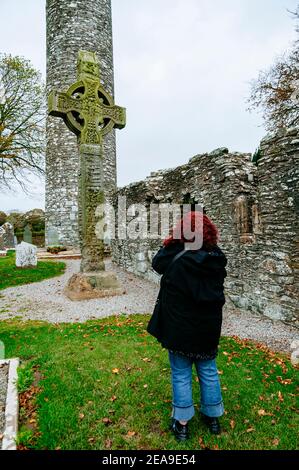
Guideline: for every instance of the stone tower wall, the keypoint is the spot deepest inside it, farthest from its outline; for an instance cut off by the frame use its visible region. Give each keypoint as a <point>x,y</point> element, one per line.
<point>74,25</point>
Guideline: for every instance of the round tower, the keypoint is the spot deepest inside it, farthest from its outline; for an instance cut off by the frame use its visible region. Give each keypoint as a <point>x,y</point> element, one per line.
<point>73,25</point>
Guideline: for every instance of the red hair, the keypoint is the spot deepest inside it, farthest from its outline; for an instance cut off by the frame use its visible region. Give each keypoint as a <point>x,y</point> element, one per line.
<point>198,220</point>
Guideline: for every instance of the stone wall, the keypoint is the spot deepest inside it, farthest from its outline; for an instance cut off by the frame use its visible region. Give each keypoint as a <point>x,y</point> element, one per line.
<point>255,210</point>
<point>276,277</point>
<point>221,181</point>
<point>74,25</point>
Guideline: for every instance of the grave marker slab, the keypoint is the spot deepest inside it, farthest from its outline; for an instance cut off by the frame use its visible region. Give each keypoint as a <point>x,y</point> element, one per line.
<point>26,255</point>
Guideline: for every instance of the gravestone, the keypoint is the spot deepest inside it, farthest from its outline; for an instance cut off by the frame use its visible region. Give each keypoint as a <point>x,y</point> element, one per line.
<point>89,111</point>
<point>26,255</point>
<point>52,238</point>
<point>27,234</point>
<point>7,236</point>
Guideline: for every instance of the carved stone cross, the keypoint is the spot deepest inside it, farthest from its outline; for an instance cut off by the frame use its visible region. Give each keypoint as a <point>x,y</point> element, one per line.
<point>89,111</point>
<point>86,108</point>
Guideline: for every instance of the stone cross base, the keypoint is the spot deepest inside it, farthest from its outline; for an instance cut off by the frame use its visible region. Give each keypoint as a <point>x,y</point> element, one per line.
<point>84,286</point>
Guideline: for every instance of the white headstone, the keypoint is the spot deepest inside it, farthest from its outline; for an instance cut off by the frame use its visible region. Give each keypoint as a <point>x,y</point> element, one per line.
<point>26,255</point>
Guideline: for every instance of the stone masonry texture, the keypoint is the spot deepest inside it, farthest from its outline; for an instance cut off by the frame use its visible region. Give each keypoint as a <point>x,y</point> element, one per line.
<point>256,211</point>
<point>73,25</point>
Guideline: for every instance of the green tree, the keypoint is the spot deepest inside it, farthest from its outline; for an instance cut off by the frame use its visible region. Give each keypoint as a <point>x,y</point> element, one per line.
<point>276,91</point>
<point>22,121</point>
<point>3,217</point>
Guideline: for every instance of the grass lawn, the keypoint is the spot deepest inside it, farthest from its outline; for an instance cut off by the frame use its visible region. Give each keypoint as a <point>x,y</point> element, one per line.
<point>11,276</point>
<point>106,385</point>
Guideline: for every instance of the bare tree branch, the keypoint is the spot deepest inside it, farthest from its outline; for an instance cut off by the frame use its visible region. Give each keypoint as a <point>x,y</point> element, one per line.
<point>276,91</point>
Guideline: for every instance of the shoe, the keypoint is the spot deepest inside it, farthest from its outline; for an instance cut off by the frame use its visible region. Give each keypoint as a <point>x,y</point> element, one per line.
<point>180,431</point>
<point>212,423</point>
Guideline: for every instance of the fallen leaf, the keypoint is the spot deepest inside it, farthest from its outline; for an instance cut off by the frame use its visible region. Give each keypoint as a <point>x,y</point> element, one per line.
<point>284,381</point>
<point>146,359</point>
<point>113,398</point>
<point>108,444</point>
<point>261,398</point>
<point>145,386</point>
<point>220,372</point>
<point>250,430</point>
<point>81,415</point>
<point>201,443</point>
<point>264,413</point>
<point>131,433</point>
<point>91,439</point>
<point>273,421</point>
<point>106,421</point>
<point>280,397</point>
<point>215,447</point>
<point>115,371</point>
<point>232,423</point>
<point>275,442</point>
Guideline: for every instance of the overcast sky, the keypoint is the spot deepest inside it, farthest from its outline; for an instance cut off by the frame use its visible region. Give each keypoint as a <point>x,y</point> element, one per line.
<point>182,70</point>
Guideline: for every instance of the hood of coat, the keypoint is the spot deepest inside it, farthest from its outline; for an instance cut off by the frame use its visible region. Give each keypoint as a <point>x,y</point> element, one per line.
<point>213,260</point>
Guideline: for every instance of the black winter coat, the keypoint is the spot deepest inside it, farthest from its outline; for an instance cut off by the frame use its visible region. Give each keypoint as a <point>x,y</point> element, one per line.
<point>191,299</point>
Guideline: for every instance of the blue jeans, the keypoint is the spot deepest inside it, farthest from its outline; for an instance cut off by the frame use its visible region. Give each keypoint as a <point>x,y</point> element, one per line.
<point>211,403</point>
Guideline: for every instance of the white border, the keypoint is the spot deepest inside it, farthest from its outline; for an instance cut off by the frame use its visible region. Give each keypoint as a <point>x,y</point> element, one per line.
<point>11,406</point>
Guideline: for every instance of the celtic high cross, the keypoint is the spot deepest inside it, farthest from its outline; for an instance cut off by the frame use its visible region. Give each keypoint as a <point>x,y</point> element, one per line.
<point>89,112</point>
<point>86,108</point>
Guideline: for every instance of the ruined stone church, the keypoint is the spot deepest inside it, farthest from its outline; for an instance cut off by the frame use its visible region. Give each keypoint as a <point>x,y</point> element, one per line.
<point>255,206</point>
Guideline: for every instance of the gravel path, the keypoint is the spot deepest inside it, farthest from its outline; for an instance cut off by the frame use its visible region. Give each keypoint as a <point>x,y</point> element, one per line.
<point>45,301</point>
<point>3,388</point>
